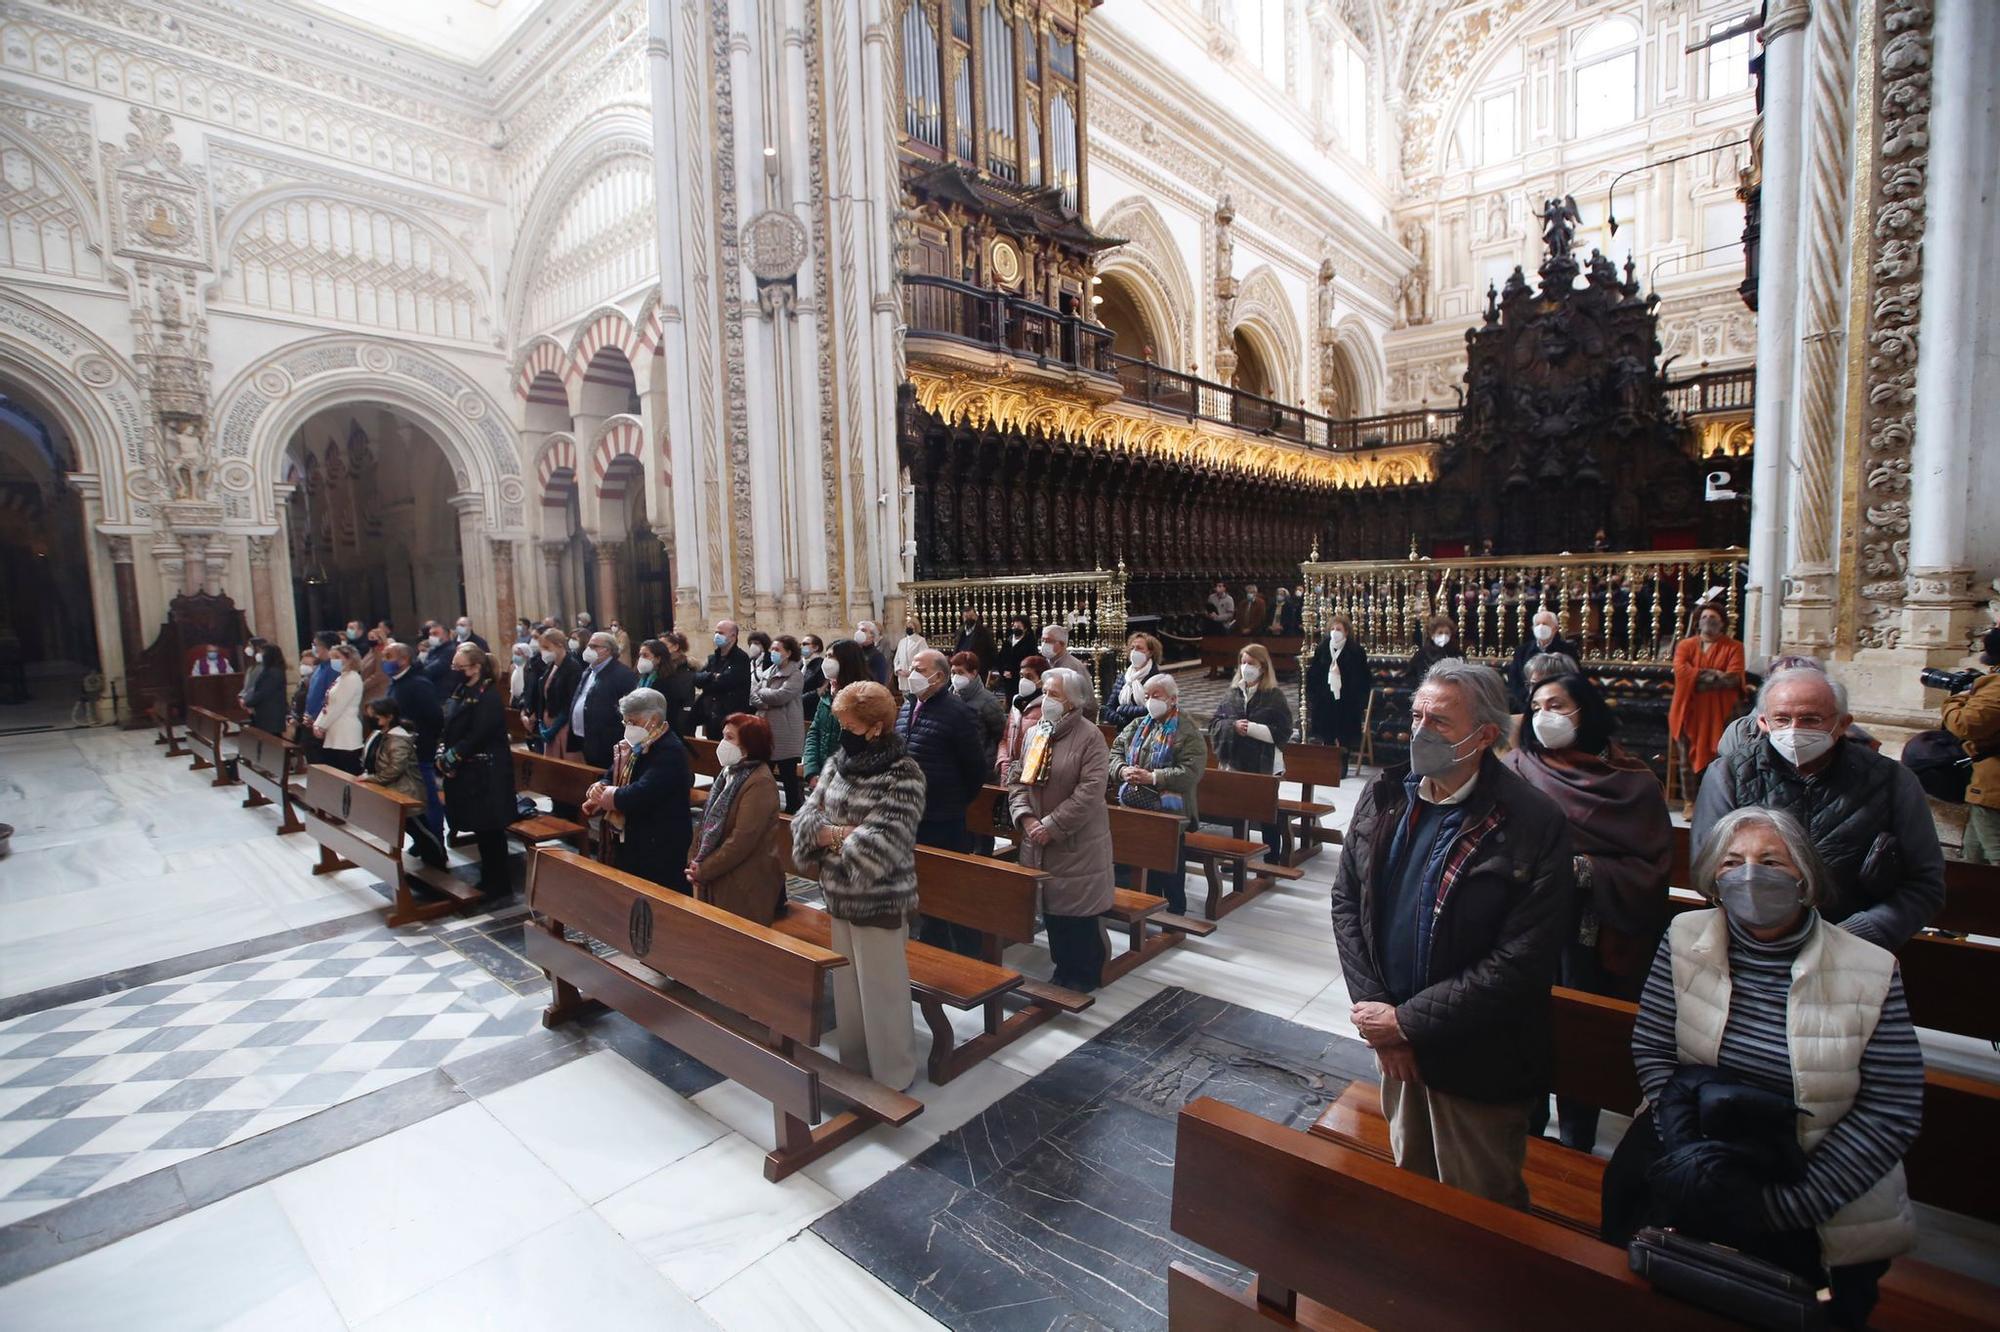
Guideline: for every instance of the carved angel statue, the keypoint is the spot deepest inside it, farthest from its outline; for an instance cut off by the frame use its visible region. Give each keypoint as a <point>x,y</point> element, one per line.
<point>1559,223</point>
<point>169,297</point>
<point>187,462</point>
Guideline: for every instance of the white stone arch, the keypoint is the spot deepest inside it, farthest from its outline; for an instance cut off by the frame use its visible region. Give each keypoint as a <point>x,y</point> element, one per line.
<point>78,211</point>
<point>1264,315</point>
<point>1149,265</point>
<point>1356,341</point>
<point>1443,63</point>
<point>94,393</point>
<point>257,415</point>
<point>601,142</point>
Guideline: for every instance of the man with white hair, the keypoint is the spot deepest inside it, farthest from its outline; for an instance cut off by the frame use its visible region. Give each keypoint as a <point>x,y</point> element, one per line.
<point>1543,637</point>
<point>1055,647</point>
<point>1746,730</point>
<point>1866,814</point>
<point>868,635</point>
<point>942,735</point>
<point>1450,905</point>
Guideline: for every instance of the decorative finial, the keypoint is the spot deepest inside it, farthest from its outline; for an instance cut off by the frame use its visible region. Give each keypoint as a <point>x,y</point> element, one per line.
<point>1315,548</point>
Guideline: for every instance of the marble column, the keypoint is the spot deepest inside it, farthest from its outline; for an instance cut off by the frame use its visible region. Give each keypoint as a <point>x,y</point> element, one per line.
<point>263,608</point>
<point>1958,375</point>
<point>606,562</point>
<point>552,581</point>
<point>503,589</point>
<point>1777,318</point>
<point>194,562</point>
<point>131,633</point>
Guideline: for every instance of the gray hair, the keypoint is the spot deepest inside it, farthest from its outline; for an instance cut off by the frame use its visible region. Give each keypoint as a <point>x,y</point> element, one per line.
<point>1166,681</point>
<point>1546,666</point>
<point>1075,685</point>
<point>1056,632</point>
<point>643,703</point>
<point>1814,673</point>
<point>1481,687</point>
<point>1708,856</point>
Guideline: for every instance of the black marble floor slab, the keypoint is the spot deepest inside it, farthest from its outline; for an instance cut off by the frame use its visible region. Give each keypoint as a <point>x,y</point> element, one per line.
<point>1050,1209</point>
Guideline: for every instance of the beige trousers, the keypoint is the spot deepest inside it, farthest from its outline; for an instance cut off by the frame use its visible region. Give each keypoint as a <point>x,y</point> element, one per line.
<point>1477,1146</point>
<point>1982,835</point>
<point>871,1003</point>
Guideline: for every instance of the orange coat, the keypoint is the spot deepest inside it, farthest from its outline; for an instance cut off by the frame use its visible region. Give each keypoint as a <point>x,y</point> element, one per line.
<point>1697,716</point>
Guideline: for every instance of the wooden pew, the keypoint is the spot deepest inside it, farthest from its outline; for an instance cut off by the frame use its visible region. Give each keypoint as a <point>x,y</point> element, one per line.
<point>1337,1238</point>
<point>564,782</point>
<point>265,762</point>
<point>1309,765</point>
<point>1242,799</point>
<point>207,729</point>
<point>1218,652</point>
<point>745,1000</point>
<point>1140,840</point>
<point>1971,899</point>
<point>162,712</point>
<point>361,825</point>
<point>997,899</point>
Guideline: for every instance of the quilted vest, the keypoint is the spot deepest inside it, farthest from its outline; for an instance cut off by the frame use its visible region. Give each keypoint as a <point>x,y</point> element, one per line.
<point>1838,985</point>
<point>1844,809</point>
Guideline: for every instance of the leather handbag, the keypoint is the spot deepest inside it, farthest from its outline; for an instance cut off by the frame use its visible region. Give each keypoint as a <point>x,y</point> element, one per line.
<point>1727,1281</point>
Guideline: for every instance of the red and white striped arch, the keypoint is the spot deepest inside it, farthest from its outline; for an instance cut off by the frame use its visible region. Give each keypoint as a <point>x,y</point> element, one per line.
<point>555,470</point>
<point>545,356</point>
<point>621,437</point>
<point>607,328</point>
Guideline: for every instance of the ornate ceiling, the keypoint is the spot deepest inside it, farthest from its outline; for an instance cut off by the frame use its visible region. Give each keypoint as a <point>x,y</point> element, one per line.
<point>465,30</point>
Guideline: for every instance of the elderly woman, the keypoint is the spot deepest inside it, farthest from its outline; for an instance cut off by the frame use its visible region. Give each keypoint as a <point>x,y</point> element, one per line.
<point>778,697</point>
<point>1023,711</point>
<point>1055,797</point>
<point>644,794</point>
<point>1128,700</point>
<point>338,725</point>
<point>1337,685</point>
<point>988,707</point>
<point>1765,990</point>
<point>1622,844</point>
<point>734,864</point>
<point>858,832</point>
<point>1252,723</point>
<point>1156,764</point>
<point>1441,641</point>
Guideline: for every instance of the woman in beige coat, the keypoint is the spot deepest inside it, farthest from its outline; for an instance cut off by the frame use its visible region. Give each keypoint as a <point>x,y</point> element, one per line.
<point>734,862</point>
<point>1055,796</point>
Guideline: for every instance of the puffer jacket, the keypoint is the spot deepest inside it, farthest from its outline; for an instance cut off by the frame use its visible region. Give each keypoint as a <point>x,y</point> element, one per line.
<point>1480,1023</point>
<point>943,737</point>
<point>1973,715</point>
<point>871,879</point>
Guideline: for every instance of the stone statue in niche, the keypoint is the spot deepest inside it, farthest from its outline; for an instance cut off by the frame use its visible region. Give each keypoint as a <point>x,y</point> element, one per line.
<point>168,297</point>
<point>1416,286</point>
<point>188,468</point>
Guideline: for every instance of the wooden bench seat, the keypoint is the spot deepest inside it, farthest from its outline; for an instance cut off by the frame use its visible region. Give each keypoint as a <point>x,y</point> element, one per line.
<point>1241,799</point>
<point>563,782</point>
<point>207,729</point>
<point>361,825</point>
<point>265,762</point>
<point>1310,765</point>
<point>162,713</point>
<point>745,1000</point>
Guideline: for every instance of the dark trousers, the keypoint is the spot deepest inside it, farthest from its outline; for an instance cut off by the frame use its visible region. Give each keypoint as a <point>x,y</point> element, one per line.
<point>495,877</point>
<point>1076,945</point>
<point>1170,884</point>
<point>947,834</point>
<point>347,760</point>
<point>433,802</point>
<point>787,773</point>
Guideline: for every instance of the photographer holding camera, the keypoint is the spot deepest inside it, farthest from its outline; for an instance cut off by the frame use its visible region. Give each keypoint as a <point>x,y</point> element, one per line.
<point>1972,715</point>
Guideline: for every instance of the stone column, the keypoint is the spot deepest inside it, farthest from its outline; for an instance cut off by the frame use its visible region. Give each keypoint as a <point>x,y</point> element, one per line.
<point>552,581</point>
<point>1777,318</point>
<point>1958,375</point>
<point>606,561</point>
<point>131,633</point>
<point>263,609</point>
<point>194,562</point>
<point>503,590</point>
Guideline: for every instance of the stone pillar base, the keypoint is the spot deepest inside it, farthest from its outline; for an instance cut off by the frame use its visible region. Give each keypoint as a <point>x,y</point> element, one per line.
<point>1809,623</point>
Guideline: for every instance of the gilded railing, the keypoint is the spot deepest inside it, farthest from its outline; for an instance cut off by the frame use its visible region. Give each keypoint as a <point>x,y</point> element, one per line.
<point>1626,608</point>
<point>1090,605</point>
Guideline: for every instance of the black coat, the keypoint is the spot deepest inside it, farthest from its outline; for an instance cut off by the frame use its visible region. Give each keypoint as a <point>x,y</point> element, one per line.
<point>677,687</point>
<point>878,665</point>
<point>1517,669</point>
<point>479,788</point>
<point>1337,722</point>
<point>531,677</point>
<point>978,640</point>
<point>551,694</point>
<point>1287,618</point>
<point>1007,659</point>
<point>602,729</point>
<point>267,701</point>
<point>725,688</point>
<point>422,714</point>
<point>944,739</point>
<point>1119,713</point>
<point>658,822</point>
<point>1246,753</point>
<point>1425,657</point>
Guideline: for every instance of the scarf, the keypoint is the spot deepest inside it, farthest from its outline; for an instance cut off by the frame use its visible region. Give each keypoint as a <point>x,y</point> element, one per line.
<point>715,813</point>
<point>1152,747</point>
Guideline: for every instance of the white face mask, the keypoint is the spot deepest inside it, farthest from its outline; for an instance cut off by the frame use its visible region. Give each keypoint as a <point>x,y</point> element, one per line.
<point>863,637</point>
<point>572,645</point>
<point>1252,673</point>
<point>590,656</point>
<point>831,670</point>
<point>1138,659</point>
<point>1555,729</point>
<point>305,668</point>
<point>1027,688</point>
<point>728,753</point>
<point>1544,632</point>
<point>647,665</point>
<point>1800,747</point>
<point>1442,640</point>
<point>915,683</point>
<point>962,683</point>
<point>548,656</point>
<point>634,733</point>
<point>1157,708</point>
<point>1050,650</point>
<point>1052,710</point>
<point>1336,640</point>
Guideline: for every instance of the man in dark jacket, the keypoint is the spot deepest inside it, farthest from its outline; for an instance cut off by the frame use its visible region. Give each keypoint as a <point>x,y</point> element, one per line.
<point>1543,637</point>
<point>1866,813</point>
<point>417,703</point>
<point>724,681</point>
<point>1449,908</point>
<point>593,714</point>
<point>977,639</point>
<point>942,734</point>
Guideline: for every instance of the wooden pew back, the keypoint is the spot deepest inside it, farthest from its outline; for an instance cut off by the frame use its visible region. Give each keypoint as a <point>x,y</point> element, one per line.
<point>267,755</point>
<point>1238,797</point>
<point>1220,651</point>
<point>562,780</point>
<point>701,756</point>
<point>996,897</point>
<point>1313,765</point>
<point>363,806</point>
<point>207,729</point>
<point>1140,838</point>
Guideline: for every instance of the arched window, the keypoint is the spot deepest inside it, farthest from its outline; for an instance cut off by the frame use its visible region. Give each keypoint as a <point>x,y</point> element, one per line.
<point>1347,97</point>
<point>1729,61</point>
<point>1605,75</point>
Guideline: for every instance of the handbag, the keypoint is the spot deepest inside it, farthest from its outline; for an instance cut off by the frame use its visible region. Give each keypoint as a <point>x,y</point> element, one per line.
<point>1726,1281</point>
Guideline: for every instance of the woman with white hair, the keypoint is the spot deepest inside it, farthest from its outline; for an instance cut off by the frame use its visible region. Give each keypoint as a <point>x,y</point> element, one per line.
<point>1764,989</point>
<point>644,793</point>
<point>1055,797</point>
<point>1156,764</point>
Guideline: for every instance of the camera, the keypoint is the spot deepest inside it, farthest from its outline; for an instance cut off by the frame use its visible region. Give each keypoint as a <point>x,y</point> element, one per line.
<point>1952,682</point>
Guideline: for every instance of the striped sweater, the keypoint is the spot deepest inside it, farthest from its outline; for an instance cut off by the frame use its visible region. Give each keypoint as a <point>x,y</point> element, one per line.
<point>1874,1134</point>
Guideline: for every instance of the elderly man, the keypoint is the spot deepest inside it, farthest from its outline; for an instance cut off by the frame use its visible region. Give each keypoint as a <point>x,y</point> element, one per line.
<point>1450,905</point>
<point>1055,647</point>
<point>724,681</point>
<point>942,735</point>
<point>644,793</point>
<point>1542,640</point>
<point>868,635</point>
<point>1254,613</point>
<point>594,728</point>
<point>422,713</point>
<point>1746,731</point>
<point>1866,814</point>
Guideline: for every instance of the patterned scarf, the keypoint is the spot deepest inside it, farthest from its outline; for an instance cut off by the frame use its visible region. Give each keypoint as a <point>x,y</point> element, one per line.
<point>1152,747</point>
<point>715,813</point>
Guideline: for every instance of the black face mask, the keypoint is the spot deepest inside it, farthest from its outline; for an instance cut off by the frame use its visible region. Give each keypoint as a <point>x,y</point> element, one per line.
<point>853,744</point>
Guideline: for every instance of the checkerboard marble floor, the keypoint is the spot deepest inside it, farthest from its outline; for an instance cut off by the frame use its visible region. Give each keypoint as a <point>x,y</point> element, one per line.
<point>106,1090</point>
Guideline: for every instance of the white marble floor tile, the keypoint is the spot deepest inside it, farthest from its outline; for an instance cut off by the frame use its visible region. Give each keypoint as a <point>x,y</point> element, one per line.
<point>708,1216</point>
<point>393,1217</point>
<point>807,1283</point>
<point>235,1264</point>
<point>601,1124</point>
<point>578,1272</point>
